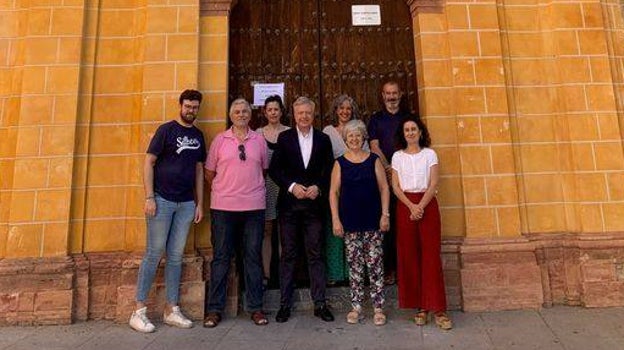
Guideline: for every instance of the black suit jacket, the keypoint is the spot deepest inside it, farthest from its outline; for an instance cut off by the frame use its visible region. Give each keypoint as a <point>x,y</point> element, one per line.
<point>287,167</point>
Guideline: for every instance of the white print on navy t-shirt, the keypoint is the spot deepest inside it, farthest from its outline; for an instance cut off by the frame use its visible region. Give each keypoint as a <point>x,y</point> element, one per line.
<point>186,143</point>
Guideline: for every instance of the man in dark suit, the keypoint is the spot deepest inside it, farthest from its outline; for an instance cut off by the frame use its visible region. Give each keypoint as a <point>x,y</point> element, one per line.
<point>301,167</point>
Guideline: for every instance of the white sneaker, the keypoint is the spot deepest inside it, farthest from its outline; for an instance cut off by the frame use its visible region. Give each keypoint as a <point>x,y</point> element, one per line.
<point>177,319</point>
<point>139,321</point>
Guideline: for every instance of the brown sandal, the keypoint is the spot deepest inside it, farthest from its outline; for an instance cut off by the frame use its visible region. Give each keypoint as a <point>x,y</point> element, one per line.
<point>379,318</point>
<point>421,318</point>
<point>212,319</point>
<point>353,316</point>
<point>443,321</point>
<point>258,318</point>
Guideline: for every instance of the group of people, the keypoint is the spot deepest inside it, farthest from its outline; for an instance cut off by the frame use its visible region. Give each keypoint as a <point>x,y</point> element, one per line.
<point>329,189</point>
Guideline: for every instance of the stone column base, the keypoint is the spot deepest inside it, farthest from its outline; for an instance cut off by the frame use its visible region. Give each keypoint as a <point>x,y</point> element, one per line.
<point>91,286</point>
<point>122,290</point>
<point>501,275</point>
<point>36,291</point>
<point>542,270</point>
<point>585,270</point>
<point>533,271</point>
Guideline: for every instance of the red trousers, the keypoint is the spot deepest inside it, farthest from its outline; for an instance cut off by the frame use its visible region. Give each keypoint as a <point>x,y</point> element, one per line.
<point>419,266</point>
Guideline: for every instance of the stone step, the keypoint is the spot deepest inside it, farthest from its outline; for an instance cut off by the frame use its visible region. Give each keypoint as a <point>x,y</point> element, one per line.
<point>339,299</point>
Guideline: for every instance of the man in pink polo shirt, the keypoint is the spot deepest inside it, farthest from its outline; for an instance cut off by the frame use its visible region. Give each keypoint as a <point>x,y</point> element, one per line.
<point>235,169</point>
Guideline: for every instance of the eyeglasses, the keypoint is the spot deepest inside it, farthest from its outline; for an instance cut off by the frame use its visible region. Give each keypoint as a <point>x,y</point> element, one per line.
<point>241,154</point>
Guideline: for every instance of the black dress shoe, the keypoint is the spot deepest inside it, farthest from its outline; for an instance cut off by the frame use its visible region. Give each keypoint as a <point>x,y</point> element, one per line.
<point>323,313</point>
<point>282,315</point>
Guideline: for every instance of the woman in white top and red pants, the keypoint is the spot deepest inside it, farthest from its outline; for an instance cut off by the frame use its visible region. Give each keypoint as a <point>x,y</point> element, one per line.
<point>415,177</point>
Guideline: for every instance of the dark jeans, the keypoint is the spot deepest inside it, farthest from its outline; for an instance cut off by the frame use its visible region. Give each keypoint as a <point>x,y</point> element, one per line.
<point>389,240</point>
<point>228,227</point>
<point>309,223</point>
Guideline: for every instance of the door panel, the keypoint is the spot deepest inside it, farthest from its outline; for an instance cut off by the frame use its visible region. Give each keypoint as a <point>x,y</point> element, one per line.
<point>272,42</point>
<point>358,60</point>
<point>311,46</point>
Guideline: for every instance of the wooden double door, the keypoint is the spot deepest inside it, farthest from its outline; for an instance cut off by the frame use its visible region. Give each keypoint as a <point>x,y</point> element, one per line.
<point>312,47</point>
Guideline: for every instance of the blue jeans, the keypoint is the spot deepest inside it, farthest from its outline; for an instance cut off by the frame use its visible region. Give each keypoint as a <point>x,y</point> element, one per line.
<point>228,227</point>
<point>168,230</point>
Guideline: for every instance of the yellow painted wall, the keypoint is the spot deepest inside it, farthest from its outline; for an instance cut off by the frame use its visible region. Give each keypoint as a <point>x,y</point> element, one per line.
<point>213,78</point>
<point>524,100</point>
<point>83,86</point>
<point>521,100</point>
<point>39,93</point>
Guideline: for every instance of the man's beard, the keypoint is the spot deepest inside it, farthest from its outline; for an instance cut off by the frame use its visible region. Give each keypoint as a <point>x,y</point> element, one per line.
<point>188,118</point>
<point>392,102</point>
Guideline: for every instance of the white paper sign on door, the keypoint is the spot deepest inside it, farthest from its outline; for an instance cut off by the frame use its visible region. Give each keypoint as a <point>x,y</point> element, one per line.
<point>366,15</point>
<point>264,90</point>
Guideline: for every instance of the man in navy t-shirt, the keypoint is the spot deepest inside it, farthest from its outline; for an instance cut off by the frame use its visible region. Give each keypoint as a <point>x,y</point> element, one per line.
<point>173,176</point>
<point>382,129</point>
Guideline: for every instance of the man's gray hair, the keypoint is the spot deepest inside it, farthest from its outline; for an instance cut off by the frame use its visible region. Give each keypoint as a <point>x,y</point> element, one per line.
<point>354,125</point>
<point>239,101</point>
<point>303,101</point>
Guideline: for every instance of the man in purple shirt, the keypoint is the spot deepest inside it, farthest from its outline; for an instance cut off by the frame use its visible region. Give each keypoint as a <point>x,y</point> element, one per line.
<point>382,128</point>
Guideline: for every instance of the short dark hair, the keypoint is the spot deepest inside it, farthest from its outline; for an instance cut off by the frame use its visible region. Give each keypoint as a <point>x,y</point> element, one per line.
<point>423,141</point>
<point>277,99</point>
<point>391,82</point>
<point>191,95</point>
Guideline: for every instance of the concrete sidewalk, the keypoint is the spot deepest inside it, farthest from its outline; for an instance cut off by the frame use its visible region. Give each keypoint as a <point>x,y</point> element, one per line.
<point>556,328</point>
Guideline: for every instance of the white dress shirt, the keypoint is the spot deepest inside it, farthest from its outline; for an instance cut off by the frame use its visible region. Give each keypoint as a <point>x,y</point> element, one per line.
<point>305,143</point>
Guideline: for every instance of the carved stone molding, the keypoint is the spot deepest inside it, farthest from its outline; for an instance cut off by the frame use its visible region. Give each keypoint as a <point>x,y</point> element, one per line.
<point>481,274</point>
<point>216,7</point>
<point>419,5</point>
<point>61,290</point>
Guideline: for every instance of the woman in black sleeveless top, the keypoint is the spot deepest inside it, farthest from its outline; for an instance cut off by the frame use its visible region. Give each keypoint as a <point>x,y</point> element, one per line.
<point>359,200</point>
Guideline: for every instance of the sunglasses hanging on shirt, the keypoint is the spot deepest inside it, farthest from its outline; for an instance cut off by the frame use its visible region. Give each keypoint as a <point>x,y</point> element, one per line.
<point>241,152</point>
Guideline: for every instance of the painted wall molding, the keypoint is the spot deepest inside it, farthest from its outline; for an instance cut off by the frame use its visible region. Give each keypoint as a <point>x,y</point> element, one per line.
<point>415,5</point>
<point>216,7</point>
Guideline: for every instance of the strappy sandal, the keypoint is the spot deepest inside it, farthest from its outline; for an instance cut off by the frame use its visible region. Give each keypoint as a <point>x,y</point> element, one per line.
<point>353,317</point>
<point>259,319</point>
<point>421,318</point>
<point>443,321</point>
<point>212,319</point>
<point>379,318</point>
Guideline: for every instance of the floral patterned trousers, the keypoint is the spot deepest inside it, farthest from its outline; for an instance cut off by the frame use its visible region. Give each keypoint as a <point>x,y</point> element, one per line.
<point>365,250</point>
